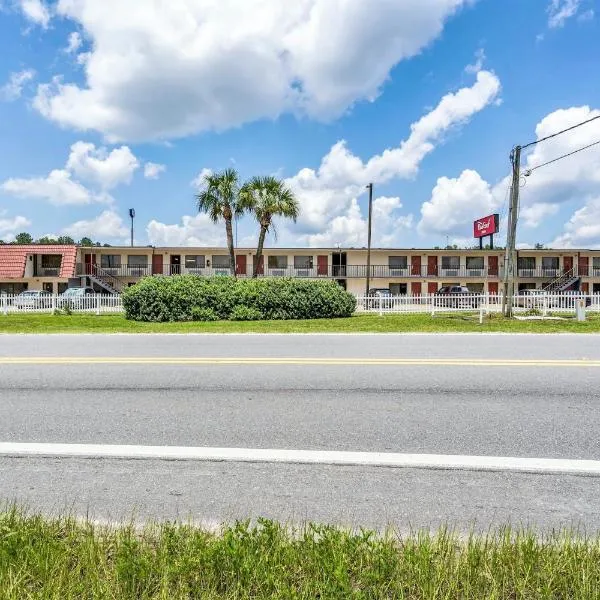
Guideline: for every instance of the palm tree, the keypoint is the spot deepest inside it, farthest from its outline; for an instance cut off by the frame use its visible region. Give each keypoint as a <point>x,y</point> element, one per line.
<point>219,199</point>
<point>267,197</point>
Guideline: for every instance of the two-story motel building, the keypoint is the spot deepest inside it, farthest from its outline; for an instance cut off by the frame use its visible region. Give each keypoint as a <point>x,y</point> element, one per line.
<point>401,270</point>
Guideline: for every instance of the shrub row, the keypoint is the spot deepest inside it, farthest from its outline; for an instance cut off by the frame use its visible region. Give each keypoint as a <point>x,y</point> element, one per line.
<point>193,298</point>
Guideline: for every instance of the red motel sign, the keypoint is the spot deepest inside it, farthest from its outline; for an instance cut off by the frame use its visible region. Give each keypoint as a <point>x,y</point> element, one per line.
<point>486,226</point>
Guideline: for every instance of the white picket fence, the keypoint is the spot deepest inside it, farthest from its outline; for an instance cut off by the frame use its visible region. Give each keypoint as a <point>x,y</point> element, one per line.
<point>93,303</point>
<point>542,304</point>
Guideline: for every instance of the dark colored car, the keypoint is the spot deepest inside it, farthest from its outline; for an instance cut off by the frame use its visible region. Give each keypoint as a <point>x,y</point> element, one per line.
<point>456,296</point>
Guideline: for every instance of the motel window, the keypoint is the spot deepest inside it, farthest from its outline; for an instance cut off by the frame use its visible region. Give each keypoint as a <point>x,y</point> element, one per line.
<point>277,262</point>
<point>110,261</point>
<point>550,262</point>
<point>51,261</point>
<point>220,261</point>
<point>526,263</point>
<point>450,262</point>
<point>398,262</point>
<point>196,261</point>
<point>596,262</point>
<point>303,262</point>
<point>475,262</point>
<point>137,260</point>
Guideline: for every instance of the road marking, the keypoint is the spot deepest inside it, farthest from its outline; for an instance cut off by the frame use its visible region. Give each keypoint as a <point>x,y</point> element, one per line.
<point>300,361</point>
<point>308,457</point>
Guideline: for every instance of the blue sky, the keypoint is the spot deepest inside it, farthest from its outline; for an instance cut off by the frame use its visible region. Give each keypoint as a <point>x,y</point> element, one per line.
<point>107,105</point>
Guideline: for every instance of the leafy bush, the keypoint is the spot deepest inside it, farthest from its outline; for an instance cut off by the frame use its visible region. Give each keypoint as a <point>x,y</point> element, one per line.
<point>203,314</point>
<point>245,313</point>
<point>187,297</point>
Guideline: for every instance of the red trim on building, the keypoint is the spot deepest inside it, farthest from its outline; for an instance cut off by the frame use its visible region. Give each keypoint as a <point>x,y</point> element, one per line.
<point>14,257</point>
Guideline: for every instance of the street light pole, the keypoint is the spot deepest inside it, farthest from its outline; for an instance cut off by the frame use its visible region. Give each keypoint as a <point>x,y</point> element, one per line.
<point>132,215</point>
<point>370,188</point>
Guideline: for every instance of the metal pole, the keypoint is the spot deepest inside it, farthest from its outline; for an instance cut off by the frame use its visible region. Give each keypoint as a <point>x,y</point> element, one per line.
<point>132,215</point>
<point>370,188</point>
<point>513,215</point>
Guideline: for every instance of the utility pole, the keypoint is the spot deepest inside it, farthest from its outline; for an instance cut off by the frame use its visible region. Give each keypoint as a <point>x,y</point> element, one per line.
<point>370,188</point>
<point>511,241</point>
<point>132,216</point>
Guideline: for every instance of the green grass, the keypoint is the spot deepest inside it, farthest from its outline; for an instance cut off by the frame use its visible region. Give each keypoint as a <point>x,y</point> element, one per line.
<point>63,558</point>
<point>47,323</point>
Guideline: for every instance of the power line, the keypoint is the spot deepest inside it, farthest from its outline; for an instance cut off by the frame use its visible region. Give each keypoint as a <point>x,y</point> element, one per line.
<point>529,171</point>
<point>560,132</point>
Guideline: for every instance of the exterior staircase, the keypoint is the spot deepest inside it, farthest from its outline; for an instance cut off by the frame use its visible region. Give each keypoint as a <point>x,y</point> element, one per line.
<point>565,282</point>
<point>105,280</point>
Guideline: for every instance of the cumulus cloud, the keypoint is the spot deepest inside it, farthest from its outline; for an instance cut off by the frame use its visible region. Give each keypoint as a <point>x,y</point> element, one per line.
<point>57,188</point>
<point>582,230</point>
<point>535,214</point>
<point>198,230</point>
<point>107,225</point>
<point>35,11</point>
<point>312,57</point>
<point>97,165</point>
<point>153,170</point>
<point>456,202</point>
<point>8,225</point>
<point>102,169</point>
<point>13,89</point>
<point>328,194</point>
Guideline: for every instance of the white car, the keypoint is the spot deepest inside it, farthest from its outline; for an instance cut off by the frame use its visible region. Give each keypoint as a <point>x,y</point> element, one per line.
<point>31,299</point>
<point>77,297</point>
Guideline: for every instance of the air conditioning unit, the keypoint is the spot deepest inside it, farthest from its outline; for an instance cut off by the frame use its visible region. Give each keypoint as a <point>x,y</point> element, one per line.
<point>475,272</point>
<point>303,272</point>
<point>397,272</point>
<point>526,272</point>
<point>451,272</point>
<point>277,272</point>
<point>195,271</point>
<point>222,272</point>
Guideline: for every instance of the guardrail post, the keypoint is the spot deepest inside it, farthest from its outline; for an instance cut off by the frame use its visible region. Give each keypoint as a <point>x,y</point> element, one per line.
<point>97,305</point>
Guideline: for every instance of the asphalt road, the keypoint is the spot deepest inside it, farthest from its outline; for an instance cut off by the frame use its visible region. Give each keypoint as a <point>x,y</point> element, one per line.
<point>520,408</point>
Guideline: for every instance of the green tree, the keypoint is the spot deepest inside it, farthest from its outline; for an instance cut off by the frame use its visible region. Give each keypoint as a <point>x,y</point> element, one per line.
<point>265,198</point>
<point>23,238</point>
<point>46,240</point>
<point>219,199</point>
<point>65,240</point>
<point>86,241</point>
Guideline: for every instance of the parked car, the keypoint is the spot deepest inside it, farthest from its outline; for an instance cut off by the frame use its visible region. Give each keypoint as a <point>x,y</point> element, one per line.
<point>33,299</point>
<point>379,298</point>
<point>531,298</point>
<point>456,296</point>
<point>75,297</point>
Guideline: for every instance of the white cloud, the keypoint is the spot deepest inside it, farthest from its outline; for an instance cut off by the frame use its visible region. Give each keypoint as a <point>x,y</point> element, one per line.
<point>559,11</point>
<point>312,57</point>
<point>13,89</point>
<point>13,225</point>
<point>198,230</point>
<point>456,203</point>
<point>97,165</point>
<point>105,170</point>
<point>478,64</point>
<point>36,12</point>
<point>108,225</point>
<point>535,214</point>
<point>328,195</point>
<point>74,43</point>
<point>57,188</point>
<point>198,181</point>
<point>153,170</point>
<point>582,230</point>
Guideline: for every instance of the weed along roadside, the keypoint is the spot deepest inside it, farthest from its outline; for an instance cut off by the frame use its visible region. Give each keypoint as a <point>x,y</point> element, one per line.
<point>66,558</point>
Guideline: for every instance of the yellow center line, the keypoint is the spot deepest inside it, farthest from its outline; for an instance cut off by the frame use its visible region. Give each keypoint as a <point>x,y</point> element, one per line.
<point>314,361</point>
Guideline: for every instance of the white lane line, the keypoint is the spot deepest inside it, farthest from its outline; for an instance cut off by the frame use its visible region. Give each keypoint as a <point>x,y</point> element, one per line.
<point>321,457</point>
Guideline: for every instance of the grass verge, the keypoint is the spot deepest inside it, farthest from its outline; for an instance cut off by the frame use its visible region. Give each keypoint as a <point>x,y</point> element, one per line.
<point>63,558</point>
<point>86,323</point>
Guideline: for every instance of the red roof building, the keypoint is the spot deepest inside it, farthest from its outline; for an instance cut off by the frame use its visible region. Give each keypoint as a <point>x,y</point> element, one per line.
<point>13,259</point>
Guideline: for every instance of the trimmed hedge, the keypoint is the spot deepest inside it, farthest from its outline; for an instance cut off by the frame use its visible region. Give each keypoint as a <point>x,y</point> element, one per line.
<point>189,298</point>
